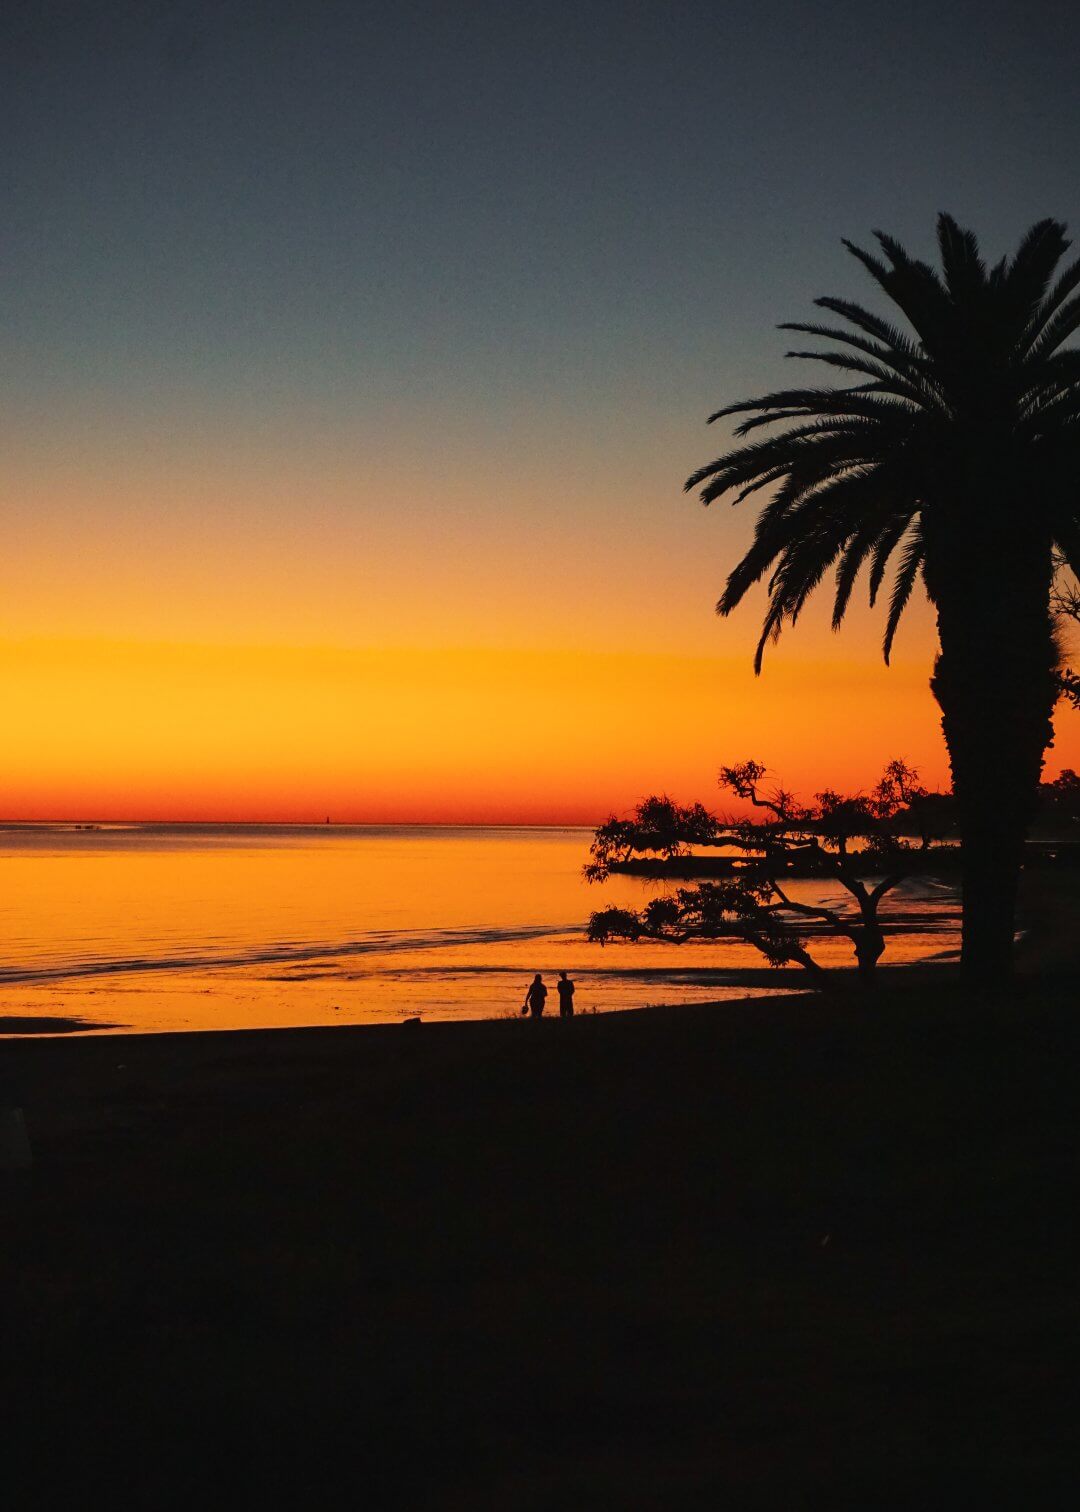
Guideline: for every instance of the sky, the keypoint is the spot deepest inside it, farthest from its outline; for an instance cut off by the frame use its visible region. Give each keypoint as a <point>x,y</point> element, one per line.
<point>354,356</point>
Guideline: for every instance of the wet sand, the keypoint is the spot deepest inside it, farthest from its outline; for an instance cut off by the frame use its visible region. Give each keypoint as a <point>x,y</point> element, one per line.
<point>788,1253</point>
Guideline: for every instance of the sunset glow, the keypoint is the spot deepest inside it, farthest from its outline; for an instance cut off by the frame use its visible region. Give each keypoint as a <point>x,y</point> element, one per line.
<point>129,729</point>
<point>294,627</point>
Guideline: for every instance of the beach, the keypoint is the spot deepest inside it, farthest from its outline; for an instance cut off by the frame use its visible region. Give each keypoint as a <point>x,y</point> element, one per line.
<point>788,1253</point>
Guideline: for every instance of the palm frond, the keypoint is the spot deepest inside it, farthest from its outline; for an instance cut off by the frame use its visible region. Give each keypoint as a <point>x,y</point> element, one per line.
<point>848,401</point>
<point>998,274</point>
<point>814,453</point>
<point>916,288</point>
<point>826,423</point>
<point>1032,267</point>
<point>872,324</point>
<point>891,355</point>
<point>770,631</point>
<point>827,521</point>
<point>803,566</point>
<point>1043,385</point>
<point>802,511</point>
<point>862,543</point>
<point>1057,329</point>
<point>911,561</point>
<point>1067,282</point>
<point>887,543</point>
<point>964,269</point>
<point>885,381</point>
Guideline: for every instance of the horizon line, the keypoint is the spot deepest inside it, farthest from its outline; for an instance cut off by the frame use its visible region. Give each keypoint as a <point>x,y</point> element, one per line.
<point>321,824</point>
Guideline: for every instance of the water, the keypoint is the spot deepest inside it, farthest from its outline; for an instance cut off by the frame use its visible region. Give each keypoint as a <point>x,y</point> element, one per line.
<point>173,927</point>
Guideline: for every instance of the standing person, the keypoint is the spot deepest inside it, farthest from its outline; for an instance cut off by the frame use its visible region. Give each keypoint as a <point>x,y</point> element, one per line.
<point>535,997</point>
<point>565,989</point>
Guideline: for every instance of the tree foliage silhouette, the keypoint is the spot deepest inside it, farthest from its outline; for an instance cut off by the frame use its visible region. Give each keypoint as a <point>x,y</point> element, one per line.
<point>867,844</point>
<point>955,452</point>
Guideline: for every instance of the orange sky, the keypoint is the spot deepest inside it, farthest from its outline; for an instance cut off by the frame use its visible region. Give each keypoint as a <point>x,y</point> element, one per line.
<point>299,620</point>
<point>156,730</point>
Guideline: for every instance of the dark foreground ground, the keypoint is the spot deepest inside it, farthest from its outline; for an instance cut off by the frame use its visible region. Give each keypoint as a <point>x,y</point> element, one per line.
<point>783,1255</point>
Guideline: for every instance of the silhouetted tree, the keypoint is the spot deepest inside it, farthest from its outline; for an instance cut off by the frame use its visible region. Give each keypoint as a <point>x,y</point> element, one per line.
<point>956,446</point>
<point>1069,686</point>
<point>1061,798</point>
<point>867,844</point>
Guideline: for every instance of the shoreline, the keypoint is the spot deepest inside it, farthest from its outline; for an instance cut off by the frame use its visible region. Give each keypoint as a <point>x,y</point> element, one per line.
<point>80,1030</point>
<point>739,987</point>
<point>757,987</point>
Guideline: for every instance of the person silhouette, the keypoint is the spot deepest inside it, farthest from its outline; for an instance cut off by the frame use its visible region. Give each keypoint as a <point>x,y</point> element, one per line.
<point>565,988</point>
<point>535,997</point>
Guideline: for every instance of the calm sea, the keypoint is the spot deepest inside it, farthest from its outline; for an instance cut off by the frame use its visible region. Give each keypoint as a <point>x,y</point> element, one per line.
<point>173,927</point>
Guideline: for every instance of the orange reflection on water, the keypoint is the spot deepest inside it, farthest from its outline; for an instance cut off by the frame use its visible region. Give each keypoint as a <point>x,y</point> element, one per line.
<point>226,927</point>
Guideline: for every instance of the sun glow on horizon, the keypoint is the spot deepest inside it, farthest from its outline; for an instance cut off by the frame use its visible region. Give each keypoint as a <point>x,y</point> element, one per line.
<point>169,731</point>
<point>241,644</point>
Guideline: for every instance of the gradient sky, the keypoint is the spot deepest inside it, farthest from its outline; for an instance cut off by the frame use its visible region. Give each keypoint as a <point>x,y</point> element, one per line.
<point>354,356</point>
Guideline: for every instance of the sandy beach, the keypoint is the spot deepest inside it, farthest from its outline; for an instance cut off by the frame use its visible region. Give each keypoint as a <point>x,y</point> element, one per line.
<point>793,1253</point>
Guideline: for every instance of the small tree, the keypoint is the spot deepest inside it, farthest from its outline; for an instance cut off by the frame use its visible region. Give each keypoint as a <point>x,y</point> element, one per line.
<point>866,843</point>
<point>1061,798</point>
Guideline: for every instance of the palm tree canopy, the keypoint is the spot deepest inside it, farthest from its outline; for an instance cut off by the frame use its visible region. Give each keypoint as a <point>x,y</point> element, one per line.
<point>967,422</point>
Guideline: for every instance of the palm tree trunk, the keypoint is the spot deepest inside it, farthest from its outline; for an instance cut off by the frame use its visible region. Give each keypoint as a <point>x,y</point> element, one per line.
<point>995,683</point>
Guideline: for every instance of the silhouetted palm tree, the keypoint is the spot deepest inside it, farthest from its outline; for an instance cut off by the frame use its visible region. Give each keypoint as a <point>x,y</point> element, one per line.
<point>957,449</point>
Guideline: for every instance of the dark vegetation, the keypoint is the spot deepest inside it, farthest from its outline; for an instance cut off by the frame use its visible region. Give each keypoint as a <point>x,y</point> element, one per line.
<point>1059,804</point>
<point>955,447</point>
<point>866,843</point>
<point>863,842</point>
<point>764,1255</point>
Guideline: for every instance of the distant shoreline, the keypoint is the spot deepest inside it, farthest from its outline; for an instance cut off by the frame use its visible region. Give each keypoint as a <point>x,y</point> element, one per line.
<point>105,825</point>
<point>943,860</point>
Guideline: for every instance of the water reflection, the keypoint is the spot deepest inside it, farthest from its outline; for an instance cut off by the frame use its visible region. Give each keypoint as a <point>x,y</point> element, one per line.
<point>163,927</point>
